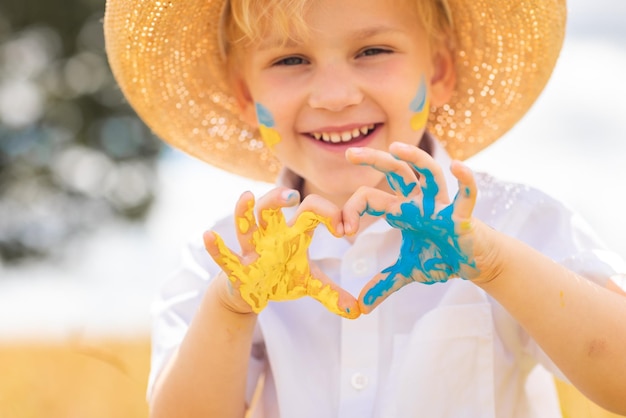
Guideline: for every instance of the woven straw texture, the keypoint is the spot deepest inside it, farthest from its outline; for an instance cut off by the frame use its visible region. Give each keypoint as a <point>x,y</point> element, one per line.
<point>166,58</point>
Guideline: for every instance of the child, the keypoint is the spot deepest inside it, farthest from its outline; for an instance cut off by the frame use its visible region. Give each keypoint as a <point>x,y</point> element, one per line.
<point>331,86</point>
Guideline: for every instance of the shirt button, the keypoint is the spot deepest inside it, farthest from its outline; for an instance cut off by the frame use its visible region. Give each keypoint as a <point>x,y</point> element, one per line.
<point>360,266</point>
<point>358,381</point>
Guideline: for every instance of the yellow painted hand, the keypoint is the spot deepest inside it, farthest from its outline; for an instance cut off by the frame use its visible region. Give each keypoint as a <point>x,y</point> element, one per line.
<point>280,270</point>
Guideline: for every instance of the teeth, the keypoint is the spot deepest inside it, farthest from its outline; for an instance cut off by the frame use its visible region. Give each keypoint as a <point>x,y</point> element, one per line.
<point>347,136</point>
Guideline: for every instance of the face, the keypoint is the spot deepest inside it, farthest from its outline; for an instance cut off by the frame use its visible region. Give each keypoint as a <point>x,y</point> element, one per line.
<point>364,76</point>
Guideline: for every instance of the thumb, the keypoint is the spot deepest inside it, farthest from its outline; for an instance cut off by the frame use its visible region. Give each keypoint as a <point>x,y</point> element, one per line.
<point>334,298</point>
<point>382,285</point>
<point>220,253</point>
<point>465,200</point>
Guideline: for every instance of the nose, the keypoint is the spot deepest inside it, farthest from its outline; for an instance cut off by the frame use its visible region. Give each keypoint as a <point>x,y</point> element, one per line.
<point>334,88</point>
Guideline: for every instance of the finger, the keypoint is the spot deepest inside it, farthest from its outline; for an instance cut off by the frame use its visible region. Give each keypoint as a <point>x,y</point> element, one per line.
<point>400,176</point>
<point>268,205</point>
<point>279,197</point>
<point>383,285</point>
<point>221,254</point>
<point>465,199</point>
<point>331,295</point>
<point>315,209</point>
<point>245,222</point>
<point>432,179</point>
<point>366,200</point>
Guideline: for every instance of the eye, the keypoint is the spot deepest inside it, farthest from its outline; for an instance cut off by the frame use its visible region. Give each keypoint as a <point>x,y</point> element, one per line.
<point>292,60</point>
<point>374,51</point>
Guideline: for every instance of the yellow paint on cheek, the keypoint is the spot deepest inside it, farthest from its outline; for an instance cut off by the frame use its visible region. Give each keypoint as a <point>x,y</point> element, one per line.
<point>281,270</point>
<point>419,119</point>
<point>562,297</point>
<point>270,136</point>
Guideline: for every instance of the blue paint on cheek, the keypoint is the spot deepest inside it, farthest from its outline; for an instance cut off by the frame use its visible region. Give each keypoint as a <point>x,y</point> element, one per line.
<point>264,115</point>
<point>430,250</point>
<point>419,101</point>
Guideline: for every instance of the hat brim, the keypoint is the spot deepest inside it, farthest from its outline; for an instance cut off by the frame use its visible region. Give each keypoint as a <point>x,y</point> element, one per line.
<point>166,58</point>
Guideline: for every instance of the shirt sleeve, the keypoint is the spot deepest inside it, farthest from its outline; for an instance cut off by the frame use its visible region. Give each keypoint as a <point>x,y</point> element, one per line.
<point>176,304</point>
<point>565,237</point>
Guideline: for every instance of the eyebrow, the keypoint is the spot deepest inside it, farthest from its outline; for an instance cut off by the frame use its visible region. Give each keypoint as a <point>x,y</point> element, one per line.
<point>369,32</point>
<point>276,42</point>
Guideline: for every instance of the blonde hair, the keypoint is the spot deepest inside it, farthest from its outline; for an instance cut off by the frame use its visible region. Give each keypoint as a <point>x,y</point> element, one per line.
<point>247,21</point>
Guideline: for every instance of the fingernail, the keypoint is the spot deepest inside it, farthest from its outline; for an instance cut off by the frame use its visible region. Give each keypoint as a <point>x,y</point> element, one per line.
<point>339,230</point>
<point>289,195</point>
<point>402,145</point>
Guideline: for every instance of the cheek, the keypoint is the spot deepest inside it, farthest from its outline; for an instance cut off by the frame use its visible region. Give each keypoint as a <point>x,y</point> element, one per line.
<point>267,125</point>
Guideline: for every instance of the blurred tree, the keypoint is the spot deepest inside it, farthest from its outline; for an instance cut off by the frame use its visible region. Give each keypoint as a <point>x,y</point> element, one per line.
<point>73,155</point>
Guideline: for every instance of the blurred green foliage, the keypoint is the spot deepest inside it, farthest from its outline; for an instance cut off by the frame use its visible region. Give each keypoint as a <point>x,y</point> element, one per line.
<point>73,155</point>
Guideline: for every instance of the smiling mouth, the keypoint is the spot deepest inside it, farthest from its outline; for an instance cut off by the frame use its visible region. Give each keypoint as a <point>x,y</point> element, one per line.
<point>344,136</point>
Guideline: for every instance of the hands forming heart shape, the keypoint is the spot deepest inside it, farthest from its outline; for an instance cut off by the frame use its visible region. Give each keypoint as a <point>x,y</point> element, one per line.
<point>437,236</point>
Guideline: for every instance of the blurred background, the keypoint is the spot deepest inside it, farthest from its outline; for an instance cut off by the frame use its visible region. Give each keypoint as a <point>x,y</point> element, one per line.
<point>94,208</point>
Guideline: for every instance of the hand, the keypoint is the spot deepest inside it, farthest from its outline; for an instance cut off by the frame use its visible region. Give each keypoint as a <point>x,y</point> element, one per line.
<point>437,236</point>
<point>274,263</point>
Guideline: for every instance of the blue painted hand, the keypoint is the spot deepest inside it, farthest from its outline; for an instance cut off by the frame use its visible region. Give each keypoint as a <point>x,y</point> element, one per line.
<point>436,234</point>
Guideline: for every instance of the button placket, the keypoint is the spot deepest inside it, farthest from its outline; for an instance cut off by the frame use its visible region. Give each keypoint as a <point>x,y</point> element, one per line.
<point>359,365</point>
<point>360,266</point>
<point>359,381</point>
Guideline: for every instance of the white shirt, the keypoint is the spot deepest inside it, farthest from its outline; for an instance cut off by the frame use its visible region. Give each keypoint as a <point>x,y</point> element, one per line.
<point>442,350</point>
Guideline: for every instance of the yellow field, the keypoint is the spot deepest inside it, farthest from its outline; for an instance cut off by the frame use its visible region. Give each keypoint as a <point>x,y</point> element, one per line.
<point>107,379</point>
<point>99,379</point>
<point>574,405</point>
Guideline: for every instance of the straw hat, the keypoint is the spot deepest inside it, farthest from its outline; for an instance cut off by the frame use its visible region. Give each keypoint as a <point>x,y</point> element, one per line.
<point>167,59</point>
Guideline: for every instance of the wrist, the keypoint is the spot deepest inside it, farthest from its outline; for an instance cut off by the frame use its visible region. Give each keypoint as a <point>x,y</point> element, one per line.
<point>222,292</point>
<point>489,254</point>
